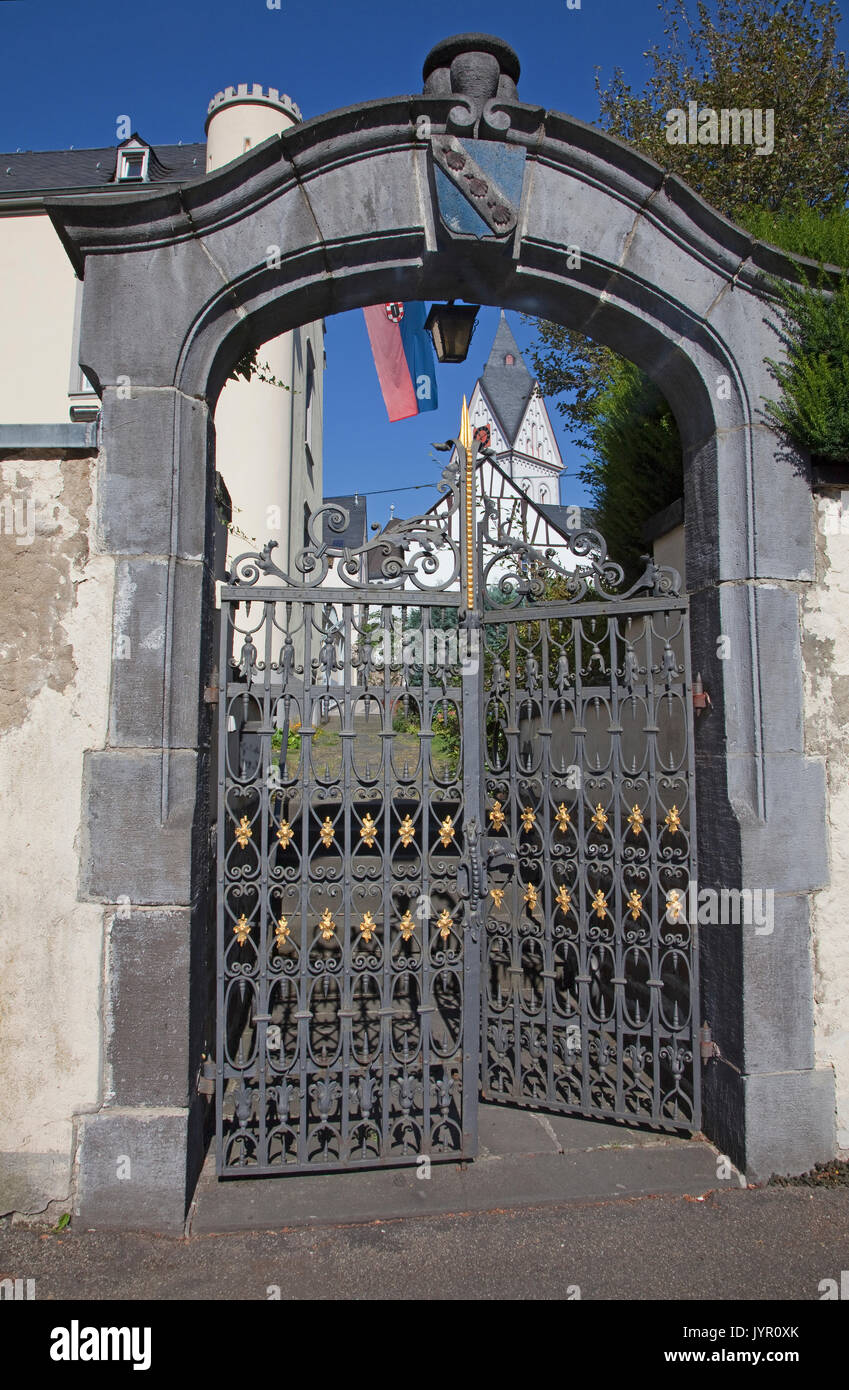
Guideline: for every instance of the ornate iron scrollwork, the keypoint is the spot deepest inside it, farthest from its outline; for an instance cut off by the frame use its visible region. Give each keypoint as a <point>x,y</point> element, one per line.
<point>413,554</point>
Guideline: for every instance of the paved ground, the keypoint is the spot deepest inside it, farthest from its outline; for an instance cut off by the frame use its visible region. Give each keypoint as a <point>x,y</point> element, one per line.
<point>525,1159</point>
<point>769,1244</point>
<point>553,1206</point>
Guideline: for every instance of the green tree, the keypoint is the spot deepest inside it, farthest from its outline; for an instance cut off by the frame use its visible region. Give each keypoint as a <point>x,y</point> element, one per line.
<point>736,54</point>
<point>733,55</point>
<point>636,467</point>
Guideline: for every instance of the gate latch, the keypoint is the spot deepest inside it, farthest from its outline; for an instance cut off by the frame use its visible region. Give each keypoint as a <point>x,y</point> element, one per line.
<point>474,883</point>
<point>701,699</point>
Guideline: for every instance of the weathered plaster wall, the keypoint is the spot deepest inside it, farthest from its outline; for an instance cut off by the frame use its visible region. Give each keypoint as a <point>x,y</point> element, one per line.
<point>825,648</point>
<point>55,633</point>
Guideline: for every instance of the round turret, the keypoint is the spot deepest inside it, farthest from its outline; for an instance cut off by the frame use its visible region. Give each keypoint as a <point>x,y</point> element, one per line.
<point>240,117</point>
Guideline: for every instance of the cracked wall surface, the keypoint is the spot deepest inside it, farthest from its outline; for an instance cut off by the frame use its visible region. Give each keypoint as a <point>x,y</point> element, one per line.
<point>825,649</point>
<point>55,632</point>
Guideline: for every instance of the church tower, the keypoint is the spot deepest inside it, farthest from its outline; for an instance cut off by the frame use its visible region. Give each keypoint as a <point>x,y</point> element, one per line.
<point>507,401</point>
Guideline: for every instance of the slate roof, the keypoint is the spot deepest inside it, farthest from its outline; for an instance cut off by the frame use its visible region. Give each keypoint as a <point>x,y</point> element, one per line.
<point>377,557</point>
<point>559,517</point>
<point>356,532</point>
<point>52,171</point>
<point>508,389</point>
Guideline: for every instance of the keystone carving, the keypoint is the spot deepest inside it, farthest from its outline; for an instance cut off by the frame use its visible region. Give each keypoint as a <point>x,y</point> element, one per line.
<point>481,71</point>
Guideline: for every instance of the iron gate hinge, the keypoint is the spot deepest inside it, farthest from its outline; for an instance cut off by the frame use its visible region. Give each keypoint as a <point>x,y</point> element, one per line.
<point>701,699</point>
<point>707,1046</point>
<point>206,1079</point>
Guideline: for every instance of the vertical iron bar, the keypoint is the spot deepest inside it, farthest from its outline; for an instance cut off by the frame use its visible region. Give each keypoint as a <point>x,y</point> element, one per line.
<point>471,773</point>
<point>224,653</point>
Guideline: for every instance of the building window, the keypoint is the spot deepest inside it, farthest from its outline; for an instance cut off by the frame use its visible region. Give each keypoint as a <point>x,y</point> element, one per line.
<point>133,162</point>
<point>307,518</point>
<point>509,360</point>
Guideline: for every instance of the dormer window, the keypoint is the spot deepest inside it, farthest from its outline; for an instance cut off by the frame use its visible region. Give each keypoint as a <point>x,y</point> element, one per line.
<point>509,360</point>
<point>133,161</point>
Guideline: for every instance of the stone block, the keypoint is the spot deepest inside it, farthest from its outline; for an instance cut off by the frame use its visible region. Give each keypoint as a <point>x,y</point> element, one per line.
<point>132,1170</point>
<point>778,991</point>
<point>655,241</point>
<point>144,436</point>
<point>790,1122</point>
<point>789,851</point>
<point>779,642</point>
<point>148,1028</point>
<point>127,850</point>
<point>136,307</point>
<point>157,653</point>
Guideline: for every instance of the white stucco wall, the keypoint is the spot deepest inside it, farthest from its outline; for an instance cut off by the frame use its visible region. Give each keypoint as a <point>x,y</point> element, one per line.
<point>55,627</point>
<point>37,299</point>
<point>825,639</point>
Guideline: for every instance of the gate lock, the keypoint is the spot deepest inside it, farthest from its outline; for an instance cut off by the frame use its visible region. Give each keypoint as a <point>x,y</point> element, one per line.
<point>474,881</point>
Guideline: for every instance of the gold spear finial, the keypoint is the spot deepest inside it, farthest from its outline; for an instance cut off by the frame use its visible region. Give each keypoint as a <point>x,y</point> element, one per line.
<point>467,441</point>
<point>465,427</point>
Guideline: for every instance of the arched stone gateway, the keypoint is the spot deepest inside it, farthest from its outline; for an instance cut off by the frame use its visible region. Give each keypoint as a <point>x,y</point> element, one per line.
<point>463,191</point>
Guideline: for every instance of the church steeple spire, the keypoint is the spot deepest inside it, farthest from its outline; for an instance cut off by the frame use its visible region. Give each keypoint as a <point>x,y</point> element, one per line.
<point>507,381</point>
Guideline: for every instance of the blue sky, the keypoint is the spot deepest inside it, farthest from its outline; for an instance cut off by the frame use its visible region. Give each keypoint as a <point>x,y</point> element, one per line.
<point>70,71</point>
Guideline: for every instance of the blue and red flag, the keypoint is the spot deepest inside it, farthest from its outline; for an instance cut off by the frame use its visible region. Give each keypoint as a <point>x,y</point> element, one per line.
<point>403,355</point>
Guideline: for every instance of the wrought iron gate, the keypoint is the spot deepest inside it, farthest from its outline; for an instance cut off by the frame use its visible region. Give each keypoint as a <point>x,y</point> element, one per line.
<point>590,962</point>
<point>445,743</point>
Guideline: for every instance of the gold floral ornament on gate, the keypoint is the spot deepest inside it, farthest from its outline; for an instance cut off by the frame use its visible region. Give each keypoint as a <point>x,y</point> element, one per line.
<point>406,832</point>
<point>326,924</point>
<point>636,820</point>
<point>562,818</point>
<point>285,834</point>
<point>367,927</point>
<point>600,904</point>
<point>497,895</point>
<point>446,831</point>
<point>531,897</point>
<point>674,904</point>
<point>281,933</point>
<point>242,929</point>
<point>635,904</point>
<point>673,821</point>
<point>406,926</point>
<point>599,817</point>
<point>243,832</point>
<point>368,830</point>
<point>497,817</point>
<point>444,923</point>
<point>563,898</point>
<point>327,834</point>
<point>528,817</point>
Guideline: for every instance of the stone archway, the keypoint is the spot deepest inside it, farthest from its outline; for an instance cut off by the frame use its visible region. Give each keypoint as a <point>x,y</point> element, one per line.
<point>363,205</point>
